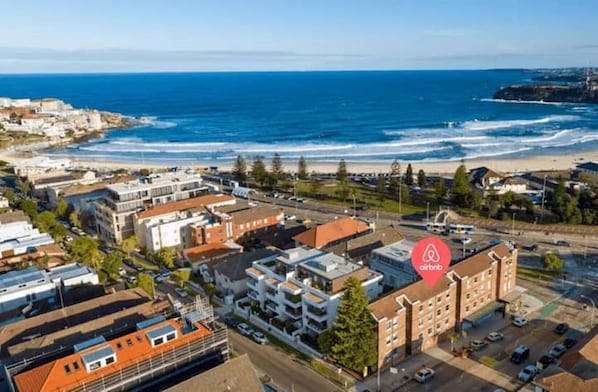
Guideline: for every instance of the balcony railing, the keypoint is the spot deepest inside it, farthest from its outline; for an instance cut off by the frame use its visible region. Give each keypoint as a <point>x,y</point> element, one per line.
<point>318,327</point>
<point>316,311</point>
<point>294,313</point>
<point>293,298</point>
<point>253,295</point>
<point>252,284</point>
<point>273,306</point>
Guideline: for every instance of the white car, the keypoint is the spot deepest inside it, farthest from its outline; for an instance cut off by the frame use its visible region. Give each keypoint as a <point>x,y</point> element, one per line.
<point>122,271</point>
<point>520,321</point>
<point>558,350</point>
<point>259,337</point>
<point>423,374</point>
<point>162,277</point>
<point>527,373</point>
<point>290,217</point>
<point>495,336</point>
<point>478,344</point>
<point>466,241</point>
<point>245,329</point>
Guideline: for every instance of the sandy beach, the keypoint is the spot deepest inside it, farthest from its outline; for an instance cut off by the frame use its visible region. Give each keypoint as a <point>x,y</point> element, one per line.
<point>503,165</point>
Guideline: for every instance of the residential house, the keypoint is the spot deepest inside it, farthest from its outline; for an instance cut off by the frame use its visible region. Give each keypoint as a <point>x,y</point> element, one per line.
<point>514,184</point>
<point>40,186</point>
<point>304,286</point>
<point>360,249</point>
<point>590,168</point>
<point>576,371</point>
<point>229,272</point>
<point>332,233</point>
<point>39,165</point>
<point>20,237</point>
<point>115,213</point>
<point>209,253</point>
<point>483,177</point>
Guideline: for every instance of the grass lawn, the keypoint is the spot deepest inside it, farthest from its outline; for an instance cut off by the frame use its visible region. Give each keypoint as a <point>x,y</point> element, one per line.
<point>145,264</point>
<point>537,275</point>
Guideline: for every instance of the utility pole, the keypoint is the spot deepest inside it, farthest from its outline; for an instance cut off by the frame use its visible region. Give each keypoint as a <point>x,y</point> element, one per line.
<point>513,225</point>
<point>354,213</point>
<point>543,193</point>
<point>427,211</point>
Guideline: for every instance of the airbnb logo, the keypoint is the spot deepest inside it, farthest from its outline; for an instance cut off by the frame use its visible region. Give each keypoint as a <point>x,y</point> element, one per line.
<point>431,258</point>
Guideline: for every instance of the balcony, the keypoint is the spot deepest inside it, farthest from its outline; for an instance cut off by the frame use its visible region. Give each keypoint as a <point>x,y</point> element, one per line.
<point>317,314</point>
<point>291,300</point>
<point>291,288</point>
<point>273,283</point>
<point>254,273</point>
<point>295,314</point>
<point>318,327</point>
<point>253,295</point>
<point>252,284</point>
<point>314,300</point>
<point>271,294</point>
<point>272,306</point>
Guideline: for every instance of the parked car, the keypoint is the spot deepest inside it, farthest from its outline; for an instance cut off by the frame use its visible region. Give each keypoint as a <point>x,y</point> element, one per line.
<point>68,238</point>
<point>466,240</point>
<point>181,292</point>
<point>151,273</point>
<point>527,373</point>
<point>520,354</point>
<point>520,321</point>
<point>162,277</point>
<point>132,279</point>
<point>288,217</point>
<point>138,267</point>
<point>544,362</point>
<point>562,243</point>
<point>569,342</point>
<point>561,328</point>
<point>122,271</point>
<point>478,344</point>
<point>259,337</point>
<point>558,350</point>
<point>495,336</point>
<point>245,329</point>
<point>423,374</point>
<point>231,321</point>
<point>129,262</point>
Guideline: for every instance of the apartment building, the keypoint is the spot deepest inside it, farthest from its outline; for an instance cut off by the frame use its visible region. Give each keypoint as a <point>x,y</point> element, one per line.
<point>170,224</point>
<point>156,350</point>
<point>83,196</point>
<point>20,237</point>
<point>115,213</point>
<point>304,286</point>
<point>394,262</point>
<point>361,249</point>
<point>413,318</point>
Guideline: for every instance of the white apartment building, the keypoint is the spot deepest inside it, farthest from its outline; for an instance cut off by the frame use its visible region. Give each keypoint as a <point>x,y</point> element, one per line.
<point>114,214</point>
<point>394,262</point>
<point>17,238</point>
<point>305,286</point>
<point>3,202</point>
<point>174,231</point>
<point>19,288</point>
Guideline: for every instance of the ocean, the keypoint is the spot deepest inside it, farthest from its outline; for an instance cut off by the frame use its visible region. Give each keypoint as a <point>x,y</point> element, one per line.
<point>373,117</point>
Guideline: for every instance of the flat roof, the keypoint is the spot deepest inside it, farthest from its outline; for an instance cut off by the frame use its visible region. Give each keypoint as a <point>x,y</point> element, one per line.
<point>157,180</point>
<point>330,266</point>
<point>399,251</point>
<point>18,277</point>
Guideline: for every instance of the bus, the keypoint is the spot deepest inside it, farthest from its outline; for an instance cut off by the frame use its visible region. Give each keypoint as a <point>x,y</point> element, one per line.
<point>461,229</point>
<point>436,227</point>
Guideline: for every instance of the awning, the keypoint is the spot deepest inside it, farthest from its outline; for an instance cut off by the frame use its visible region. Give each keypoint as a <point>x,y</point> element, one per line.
<point>511,297</point>
<point>483,313</point>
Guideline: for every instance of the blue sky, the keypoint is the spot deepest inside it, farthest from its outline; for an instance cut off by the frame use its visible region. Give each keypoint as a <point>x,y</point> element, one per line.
<point>237,35</point>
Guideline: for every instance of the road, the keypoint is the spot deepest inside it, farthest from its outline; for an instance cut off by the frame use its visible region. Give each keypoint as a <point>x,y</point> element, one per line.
<point>287,374</point>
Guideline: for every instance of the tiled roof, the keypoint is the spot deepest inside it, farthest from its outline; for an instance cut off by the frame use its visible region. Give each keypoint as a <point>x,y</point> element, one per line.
<point>237,374</point>
<point>134,347</point>
<point>250,214</point>
<point>480,261</point>
<point>181,205</point>
<point>386,307</point>
<point>207,252</point>
<point>234,266</point>
<point>327,233</point>
<point>361,246</point>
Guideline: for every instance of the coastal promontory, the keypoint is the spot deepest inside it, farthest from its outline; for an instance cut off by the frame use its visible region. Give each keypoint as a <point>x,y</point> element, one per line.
<point>547,93</point>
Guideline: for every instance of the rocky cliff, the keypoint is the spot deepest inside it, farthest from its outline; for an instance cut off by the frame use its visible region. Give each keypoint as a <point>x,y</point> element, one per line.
<point>547,93</point>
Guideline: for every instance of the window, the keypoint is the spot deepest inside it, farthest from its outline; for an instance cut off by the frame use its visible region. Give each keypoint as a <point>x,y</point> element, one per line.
<point>431,303</point>
<point>447,307</point>
<point>448,295</point>
<point>468,296</point>
<point>129,342</point>
<point>438,326</point>
<point>94,365</point>
<point>421,308</point>
<point>388,340</point>
<point>67,369</point>
<point>439,299</point>
<point>421,322</point>
<point>490,272</point>
<point>429,331</point>
<point>139,338</point>
<point>446,321</point>
<point>395,321</point>
<point>76,365</point>
<point>119,346</point>
<point>388,324</point>
<point>170,337</point>
<point>475,304</point>
<point>475,280</point>
<point>158,341</point>
<point>109,360</point>
<point>438,312</point>
<point>467,308</point>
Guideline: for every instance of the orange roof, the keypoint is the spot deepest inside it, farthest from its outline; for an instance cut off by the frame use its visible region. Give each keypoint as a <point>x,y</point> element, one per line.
<point>181,205</point>
<point>134,347</point>
<point>327,233</point>
<point>207,251</point>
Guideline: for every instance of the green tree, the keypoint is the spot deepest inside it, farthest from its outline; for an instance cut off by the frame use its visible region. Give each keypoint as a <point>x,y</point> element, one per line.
<point>409,175</point>
<point>128,245</point>
<point>146,283</point>
<point>492,202</point>
<point>61,208</point>
<point>315,184</point>
<point>276,167</point>
<point>58,232</point>
<point>343,191</point>
<point>381,188</point>
<point>341,172</point>
<point>421,178</point>
<point>110,265</point>
<point>440,190</point>
<point>354,332</point>
<point>326,342</point>
<point>302,169</point>
<point>23,186</point>
<point>258,171</point>
<point>405,195</point>
<point>9,194</point>
<point>240,170</point>
<point>395,175</point>
<point>552,262</point>
<point>166,257</point>
<point>461,188</point>
<point>85,250</point>
<point>182,275</point>
<point>29,207</point>
<point>45,221</point>
<point>144,172</point>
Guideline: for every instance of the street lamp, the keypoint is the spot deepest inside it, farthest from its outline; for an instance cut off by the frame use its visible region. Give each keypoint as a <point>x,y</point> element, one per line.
<point>593,309</point>
<point>427,211</point>
<point>543,193</point>
<point>354,213</point>
<point>513,225</point>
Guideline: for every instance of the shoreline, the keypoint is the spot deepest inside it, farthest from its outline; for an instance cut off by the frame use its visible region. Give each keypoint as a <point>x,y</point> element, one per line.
<point>502,165</point>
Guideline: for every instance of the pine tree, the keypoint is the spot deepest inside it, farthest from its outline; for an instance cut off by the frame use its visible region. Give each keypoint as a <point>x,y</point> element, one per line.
<point>314,183</point>
<point>302,169</point>
<point>395,175</point>
<point>240,169</point>
<point>277,170</point>
<point>409,175</point>
<point>341,172</point>
<point>258,171</point>
<point>381,188</point>
<point>421,178</point>
<point>354,332</point>
<point>440,190</point>
<point>461,188</point>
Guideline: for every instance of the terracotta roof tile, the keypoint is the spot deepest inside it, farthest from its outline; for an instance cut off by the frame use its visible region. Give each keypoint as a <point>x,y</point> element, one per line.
<point>207,251</point>
<point>322,235</point>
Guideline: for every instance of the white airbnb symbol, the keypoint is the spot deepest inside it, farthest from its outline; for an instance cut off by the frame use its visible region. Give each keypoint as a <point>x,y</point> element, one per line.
<point>431,254</point>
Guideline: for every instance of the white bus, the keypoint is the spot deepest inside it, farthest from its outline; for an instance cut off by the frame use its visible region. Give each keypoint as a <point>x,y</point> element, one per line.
<point>436,227</point>
<point>461,229</point>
